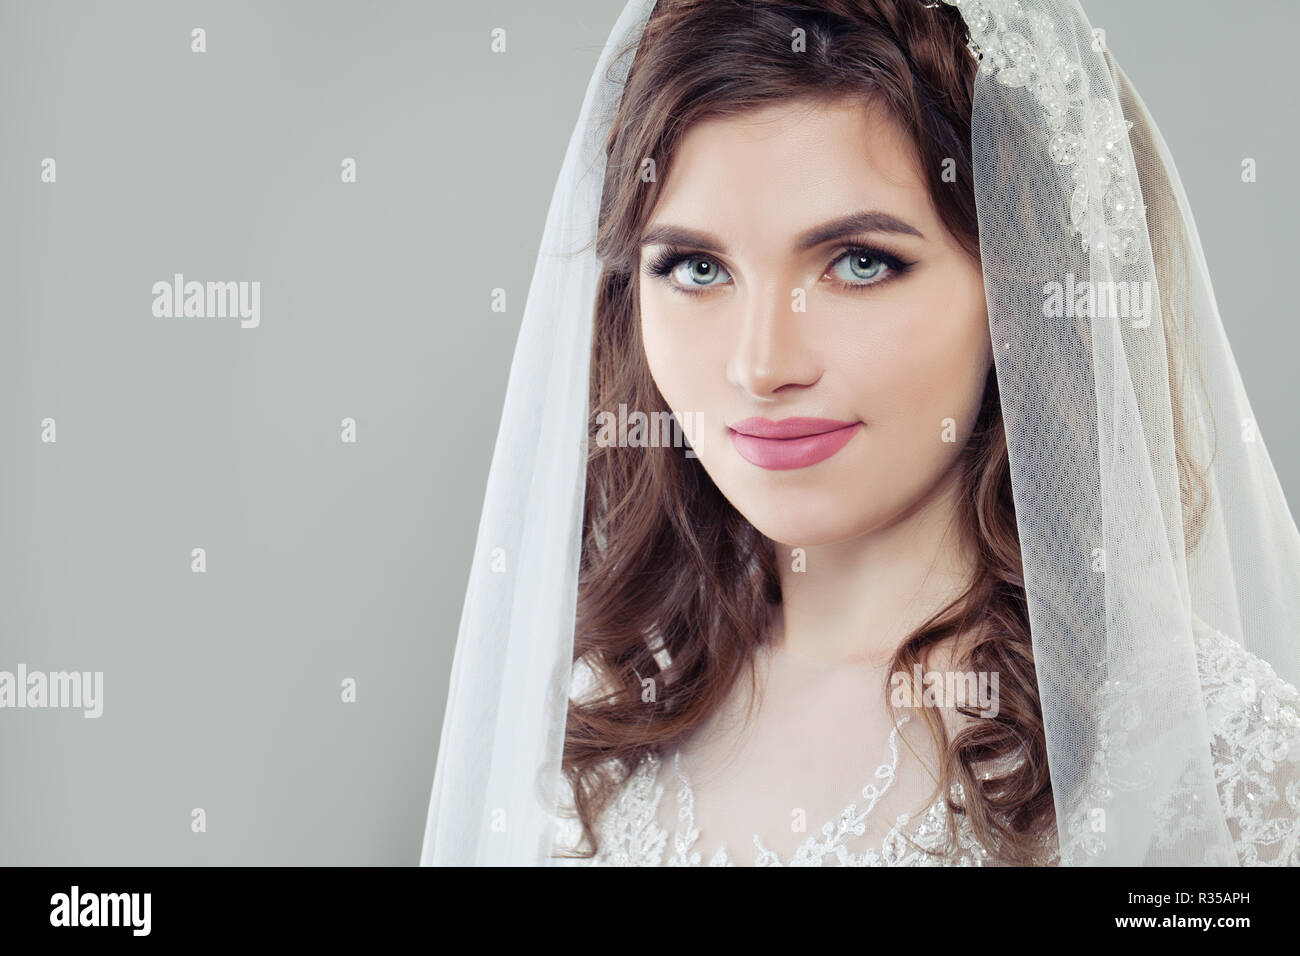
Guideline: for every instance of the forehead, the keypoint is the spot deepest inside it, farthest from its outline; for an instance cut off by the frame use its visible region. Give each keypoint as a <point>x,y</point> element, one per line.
<point>789,165</point>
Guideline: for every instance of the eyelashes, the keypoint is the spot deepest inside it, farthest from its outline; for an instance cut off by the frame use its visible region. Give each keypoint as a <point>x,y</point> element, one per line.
<point>883,266</point>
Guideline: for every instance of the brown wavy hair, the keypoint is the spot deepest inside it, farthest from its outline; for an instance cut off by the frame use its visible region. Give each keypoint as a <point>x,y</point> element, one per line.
<point>675,585</point>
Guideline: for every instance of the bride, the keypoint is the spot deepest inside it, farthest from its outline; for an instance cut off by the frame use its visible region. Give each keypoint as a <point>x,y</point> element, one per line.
<point>830,235</point>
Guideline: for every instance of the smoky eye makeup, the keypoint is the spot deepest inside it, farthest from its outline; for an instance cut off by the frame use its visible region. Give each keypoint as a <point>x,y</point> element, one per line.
<point>881,266</point>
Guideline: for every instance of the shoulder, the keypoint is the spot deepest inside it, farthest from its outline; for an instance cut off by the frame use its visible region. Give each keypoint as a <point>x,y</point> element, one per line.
<point>1246,702</point>
<point>1253,718</point>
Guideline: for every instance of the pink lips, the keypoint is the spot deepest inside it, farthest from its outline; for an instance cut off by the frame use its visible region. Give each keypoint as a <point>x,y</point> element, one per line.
<point>791,442</point>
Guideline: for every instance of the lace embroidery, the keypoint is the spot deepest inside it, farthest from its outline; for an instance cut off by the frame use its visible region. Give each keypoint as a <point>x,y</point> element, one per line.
<point>1086,134</point>
<point>1253,719</point>
<point>1254,722</point>
<point>630,835</point>
<point>851,821</point>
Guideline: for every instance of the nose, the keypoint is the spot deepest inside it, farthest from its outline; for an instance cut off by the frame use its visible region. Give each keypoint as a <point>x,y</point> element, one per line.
<point>770,352</point>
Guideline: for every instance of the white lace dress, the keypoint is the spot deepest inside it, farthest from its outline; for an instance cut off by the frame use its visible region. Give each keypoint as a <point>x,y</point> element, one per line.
<point>1254,719</point>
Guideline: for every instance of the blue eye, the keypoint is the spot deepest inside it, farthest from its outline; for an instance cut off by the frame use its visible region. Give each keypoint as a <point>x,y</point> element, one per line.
<point>687,273</point>
<point>864,267</point>
<point>697,271</point>
<point>857,269</point>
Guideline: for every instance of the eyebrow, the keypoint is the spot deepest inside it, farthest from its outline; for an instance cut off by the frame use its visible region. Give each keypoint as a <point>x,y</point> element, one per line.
<point>868,220</point>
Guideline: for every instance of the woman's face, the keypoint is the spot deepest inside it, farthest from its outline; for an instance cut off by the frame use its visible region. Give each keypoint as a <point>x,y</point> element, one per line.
<point>775,305</point>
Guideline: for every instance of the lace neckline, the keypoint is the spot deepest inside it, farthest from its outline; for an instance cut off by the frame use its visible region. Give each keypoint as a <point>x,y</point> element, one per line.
<point>850,821</point>
<point>1254,724</point>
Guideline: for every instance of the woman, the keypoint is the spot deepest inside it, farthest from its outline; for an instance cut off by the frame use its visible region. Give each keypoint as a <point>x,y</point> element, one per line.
<point>967,560</point>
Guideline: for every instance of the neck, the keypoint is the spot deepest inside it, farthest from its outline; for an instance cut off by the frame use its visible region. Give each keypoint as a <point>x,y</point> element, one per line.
<point>858,599</point>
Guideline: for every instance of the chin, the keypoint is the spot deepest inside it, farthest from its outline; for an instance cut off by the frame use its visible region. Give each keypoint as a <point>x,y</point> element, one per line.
<point>808,524</point>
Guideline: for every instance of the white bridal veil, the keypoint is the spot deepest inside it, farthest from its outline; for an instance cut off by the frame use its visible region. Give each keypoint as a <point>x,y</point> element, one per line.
<point>1081,217</point>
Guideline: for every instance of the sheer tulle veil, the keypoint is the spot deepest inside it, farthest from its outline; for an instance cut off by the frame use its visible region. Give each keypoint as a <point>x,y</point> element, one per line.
<point>1078,202</point>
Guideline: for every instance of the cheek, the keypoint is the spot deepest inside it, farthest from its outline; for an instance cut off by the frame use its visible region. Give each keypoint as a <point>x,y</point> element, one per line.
<point>923,363</point>
<point>678,356</point>
<point>659,339</point>
<point>929,362</point>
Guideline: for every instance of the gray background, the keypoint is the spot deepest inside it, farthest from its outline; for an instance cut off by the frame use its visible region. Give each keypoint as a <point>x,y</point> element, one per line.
<point>325,560</point>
